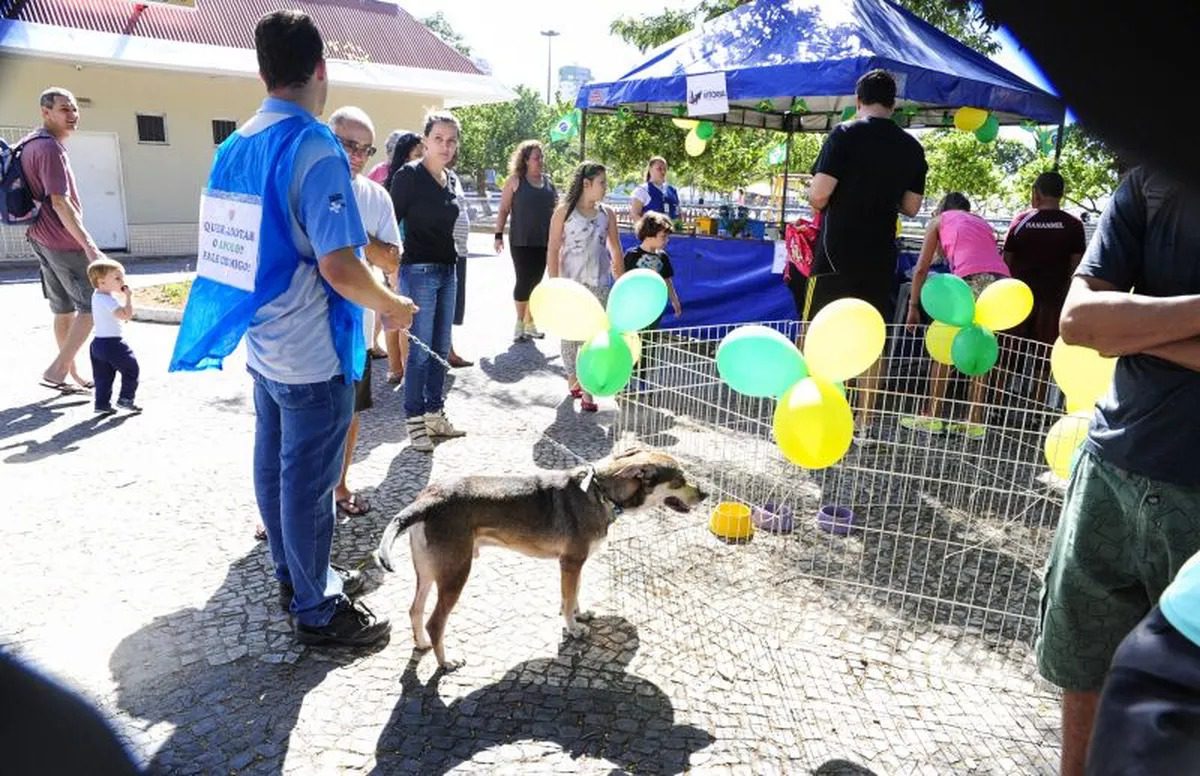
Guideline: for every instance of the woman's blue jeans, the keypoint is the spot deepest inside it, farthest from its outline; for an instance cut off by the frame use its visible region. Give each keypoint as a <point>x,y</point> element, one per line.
<point>433,288</point>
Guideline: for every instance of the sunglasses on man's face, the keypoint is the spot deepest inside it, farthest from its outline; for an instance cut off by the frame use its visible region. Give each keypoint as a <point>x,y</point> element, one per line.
<point>354,148</point>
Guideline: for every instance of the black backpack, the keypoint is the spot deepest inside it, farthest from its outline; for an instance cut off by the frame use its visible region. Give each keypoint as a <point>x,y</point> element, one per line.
<point>17,204</point>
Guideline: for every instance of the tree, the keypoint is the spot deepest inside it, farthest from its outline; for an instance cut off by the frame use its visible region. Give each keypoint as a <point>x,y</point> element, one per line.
<point>1087,166</point>
<point>440,26</point>
<point>491,132</point>
<point>959,162</point>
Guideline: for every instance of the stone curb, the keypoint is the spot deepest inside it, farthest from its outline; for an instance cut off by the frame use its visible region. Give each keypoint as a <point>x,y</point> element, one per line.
<point>157,315</point>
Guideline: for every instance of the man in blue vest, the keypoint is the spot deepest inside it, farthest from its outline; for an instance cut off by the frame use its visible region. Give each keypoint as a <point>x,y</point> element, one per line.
<point>278,263</point>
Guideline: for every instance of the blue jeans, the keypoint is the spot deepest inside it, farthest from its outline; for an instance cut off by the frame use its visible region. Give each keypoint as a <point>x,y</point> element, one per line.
<point>299,436</point>
<point>433,288</point>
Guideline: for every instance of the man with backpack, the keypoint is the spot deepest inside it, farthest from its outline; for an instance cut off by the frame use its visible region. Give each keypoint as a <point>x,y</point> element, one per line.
<point>57,234</point>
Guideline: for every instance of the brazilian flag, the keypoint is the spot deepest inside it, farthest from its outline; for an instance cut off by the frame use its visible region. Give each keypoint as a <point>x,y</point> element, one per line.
<point>566,127</point>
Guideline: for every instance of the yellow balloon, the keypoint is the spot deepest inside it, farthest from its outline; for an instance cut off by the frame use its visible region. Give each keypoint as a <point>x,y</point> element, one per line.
<point>1003,304</point>
<point>566,309</point>
<point>635,344</point>
<point>694,144</point>
<point>939,338</point>
<point>969,119</point>
<point>844,339</point>
<point>1082,373</point>
<point>813,424</point>
<point>1075,407</point>
<point>1064,439</point>
<point>685,123</point>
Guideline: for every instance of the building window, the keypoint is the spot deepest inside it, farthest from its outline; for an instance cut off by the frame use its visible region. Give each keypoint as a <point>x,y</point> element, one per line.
<point>151,128</point>
<point>222,128</point>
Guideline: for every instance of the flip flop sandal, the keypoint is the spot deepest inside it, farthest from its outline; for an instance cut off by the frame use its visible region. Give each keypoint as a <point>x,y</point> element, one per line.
<point>589,406</point>
<point>64,388</point>
<point>354,506</point>
<point>575,393</point>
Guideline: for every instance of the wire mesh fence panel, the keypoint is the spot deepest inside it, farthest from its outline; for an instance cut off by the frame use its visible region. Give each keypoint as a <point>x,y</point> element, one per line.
<point>905,621</point>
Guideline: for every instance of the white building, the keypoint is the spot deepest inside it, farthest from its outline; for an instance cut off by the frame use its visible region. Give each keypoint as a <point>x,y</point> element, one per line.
<point>160,86</point>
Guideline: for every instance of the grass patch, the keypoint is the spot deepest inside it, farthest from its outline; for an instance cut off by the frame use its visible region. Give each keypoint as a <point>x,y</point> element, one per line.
<point>172,295</point>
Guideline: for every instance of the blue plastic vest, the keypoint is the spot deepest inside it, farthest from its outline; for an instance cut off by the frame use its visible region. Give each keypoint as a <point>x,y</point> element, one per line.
<point>665,203</point>
<point>218,315</point>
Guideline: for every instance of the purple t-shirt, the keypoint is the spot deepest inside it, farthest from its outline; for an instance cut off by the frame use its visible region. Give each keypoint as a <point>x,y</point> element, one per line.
<point>44,161</point>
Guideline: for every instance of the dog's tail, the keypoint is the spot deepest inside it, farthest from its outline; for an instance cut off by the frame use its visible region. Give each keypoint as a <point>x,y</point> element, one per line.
<point>400,523</point>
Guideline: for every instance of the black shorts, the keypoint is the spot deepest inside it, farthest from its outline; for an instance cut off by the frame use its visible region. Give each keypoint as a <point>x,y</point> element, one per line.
<point>1148,721</point>
<point>878,289</point>
<point>362,389</point>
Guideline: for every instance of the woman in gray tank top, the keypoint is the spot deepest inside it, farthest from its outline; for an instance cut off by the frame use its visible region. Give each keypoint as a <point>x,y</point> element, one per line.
<point>530,197</point>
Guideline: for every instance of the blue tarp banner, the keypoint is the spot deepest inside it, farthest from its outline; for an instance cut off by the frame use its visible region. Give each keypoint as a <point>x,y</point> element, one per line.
<point>723,281</point>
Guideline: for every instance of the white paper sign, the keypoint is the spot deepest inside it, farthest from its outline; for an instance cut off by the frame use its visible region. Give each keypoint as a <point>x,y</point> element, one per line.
<point>706,95</point>
<point>229,233</point>
<point>780,258</point>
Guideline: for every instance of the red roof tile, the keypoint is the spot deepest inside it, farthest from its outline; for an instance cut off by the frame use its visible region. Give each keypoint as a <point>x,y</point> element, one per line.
<point>367,30</point>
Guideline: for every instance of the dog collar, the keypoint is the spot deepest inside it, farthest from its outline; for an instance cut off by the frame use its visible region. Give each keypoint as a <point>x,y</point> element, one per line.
<point>586,483</point>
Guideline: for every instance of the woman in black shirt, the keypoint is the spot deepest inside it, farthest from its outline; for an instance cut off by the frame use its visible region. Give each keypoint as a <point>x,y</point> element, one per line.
<point>423,193</point>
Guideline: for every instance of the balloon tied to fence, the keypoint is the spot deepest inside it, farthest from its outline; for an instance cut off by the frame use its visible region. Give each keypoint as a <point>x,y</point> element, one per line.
<point>962,331</point>
<point>611,347</point>
<point>1084,376</point>
<point>813,423</point>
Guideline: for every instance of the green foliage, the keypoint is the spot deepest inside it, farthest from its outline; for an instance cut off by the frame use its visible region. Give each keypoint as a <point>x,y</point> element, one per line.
<point>440,26</point>
<point>1087,166</point>
<point>959,162</point>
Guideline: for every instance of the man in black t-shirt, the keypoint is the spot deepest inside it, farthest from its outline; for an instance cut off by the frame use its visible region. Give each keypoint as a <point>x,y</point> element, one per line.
<point>868,170</point>
<point>1132,511</point>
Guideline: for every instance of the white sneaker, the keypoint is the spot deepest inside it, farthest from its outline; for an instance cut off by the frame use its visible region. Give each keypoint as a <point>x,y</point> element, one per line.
<point>418,435</point>
<point>438,425</point>
<point>531,331</point>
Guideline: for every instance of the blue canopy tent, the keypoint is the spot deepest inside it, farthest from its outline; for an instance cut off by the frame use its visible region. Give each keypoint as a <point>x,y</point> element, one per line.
<point>791,65</point>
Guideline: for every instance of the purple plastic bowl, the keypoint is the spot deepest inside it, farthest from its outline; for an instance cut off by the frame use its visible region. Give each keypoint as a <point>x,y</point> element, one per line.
<point>774,518</point>
<point>835,519</point>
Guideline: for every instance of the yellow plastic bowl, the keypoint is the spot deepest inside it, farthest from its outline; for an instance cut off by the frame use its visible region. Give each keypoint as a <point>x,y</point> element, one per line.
<point>731,520</point>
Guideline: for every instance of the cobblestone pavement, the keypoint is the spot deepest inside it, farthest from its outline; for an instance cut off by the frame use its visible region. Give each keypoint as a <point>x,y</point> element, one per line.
<point>134,577</point>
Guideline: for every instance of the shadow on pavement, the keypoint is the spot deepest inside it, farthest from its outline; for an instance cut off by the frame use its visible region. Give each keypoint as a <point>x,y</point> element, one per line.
<point>65,441</point>
<point>579,431</point>
<point>521,359</point>
<point>842,768</point>
<point>582,699</point>
<point>228,677</point>
<point>30,417</point>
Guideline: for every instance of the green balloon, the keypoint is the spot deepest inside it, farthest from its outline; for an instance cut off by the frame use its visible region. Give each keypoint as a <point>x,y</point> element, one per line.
<point>705,130</point>
<point>605,364</point>
<point>974,350</point>
<point>637,300</point>
<point>759,361</point>
<point>948,299</point>
<point>990,129</point>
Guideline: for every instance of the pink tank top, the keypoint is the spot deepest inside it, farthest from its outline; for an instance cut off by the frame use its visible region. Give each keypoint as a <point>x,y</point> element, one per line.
<point>969,244</point>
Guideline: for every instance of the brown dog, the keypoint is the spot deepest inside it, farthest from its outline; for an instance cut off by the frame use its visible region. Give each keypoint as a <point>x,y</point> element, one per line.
<point>561,514</point>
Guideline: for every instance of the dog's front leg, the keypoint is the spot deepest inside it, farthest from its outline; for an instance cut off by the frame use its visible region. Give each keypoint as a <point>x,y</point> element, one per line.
<point>572,569</point>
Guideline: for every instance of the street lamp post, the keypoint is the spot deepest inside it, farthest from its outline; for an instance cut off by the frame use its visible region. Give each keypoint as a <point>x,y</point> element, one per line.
<point>550,36</point>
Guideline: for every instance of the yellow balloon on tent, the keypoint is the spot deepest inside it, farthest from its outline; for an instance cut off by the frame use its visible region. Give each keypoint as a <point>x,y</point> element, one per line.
<point>1063,441</point>
<point>1003,304</point>
<point>844,340</point>
<point>969,119</point>
<point>635,344</point>
<point>685,123</point>
<point>694,144</point>
<point>939,338</point>
<point>1082,373</point>
<point>567,310</point>
<point>813,424</point>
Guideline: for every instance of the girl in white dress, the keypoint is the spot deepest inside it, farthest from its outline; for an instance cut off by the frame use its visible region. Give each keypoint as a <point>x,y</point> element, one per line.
<point>584,247</point>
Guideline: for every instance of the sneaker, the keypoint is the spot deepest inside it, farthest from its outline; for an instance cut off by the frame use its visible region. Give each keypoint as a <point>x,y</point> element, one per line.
<point>102,411</point>
<point>438,425</point>
<point>531,332</point>
<point>418,435</point>
<point>972,431</point>
<point>519,334</point>
<point>352,585</point>
<point>923,424</point>
<point>352,625</point>
<point>127,404</point>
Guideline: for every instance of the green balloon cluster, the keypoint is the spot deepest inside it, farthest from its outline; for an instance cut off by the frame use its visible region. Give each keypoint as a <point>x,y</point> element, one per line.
<point>990,129</point>
<point>605,364</point>
<point>949,300</point>
<point>705,130</point>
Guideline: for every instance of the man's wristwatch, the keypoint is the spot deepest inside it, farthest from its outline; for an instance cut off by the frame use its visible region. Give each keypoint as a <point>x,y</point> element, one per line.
<point>499,235</point>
